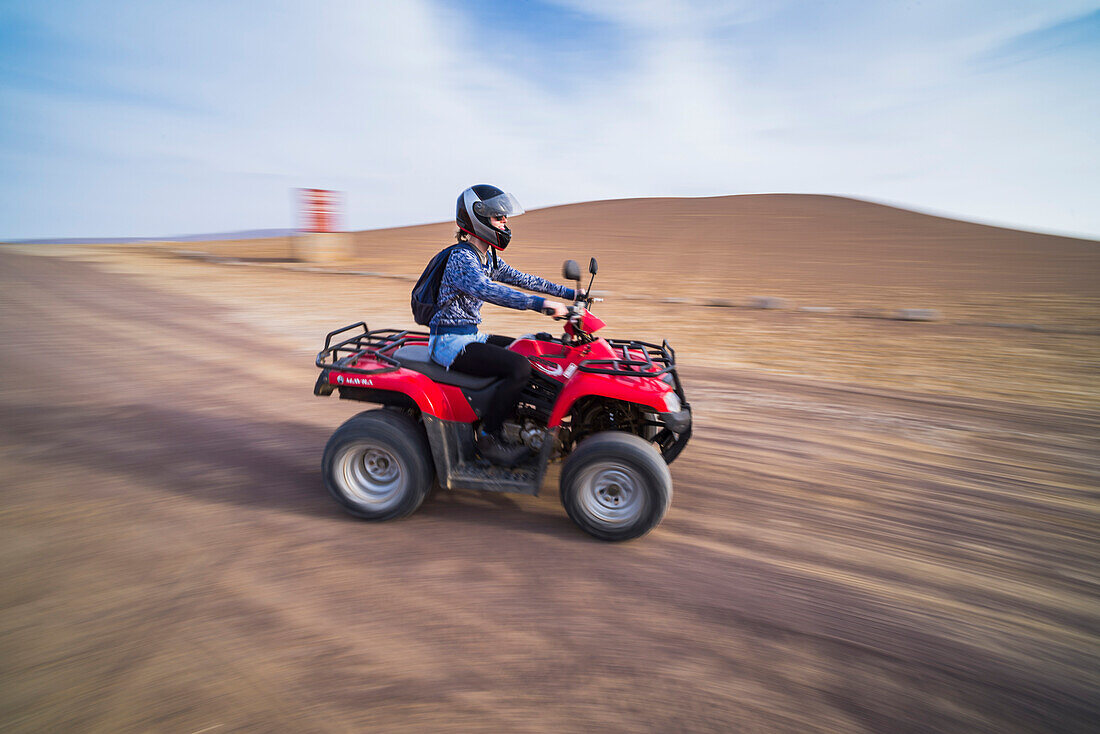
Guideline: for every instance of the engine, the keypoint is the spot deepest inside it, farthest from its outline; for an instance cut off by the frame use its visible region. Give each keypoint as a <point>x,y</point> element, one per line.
<point>524,431</point>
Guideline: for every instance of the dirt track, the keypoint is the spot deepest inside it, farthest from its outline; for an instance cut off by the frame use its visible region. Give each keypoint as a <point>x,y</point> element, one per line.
<point>836,558</point>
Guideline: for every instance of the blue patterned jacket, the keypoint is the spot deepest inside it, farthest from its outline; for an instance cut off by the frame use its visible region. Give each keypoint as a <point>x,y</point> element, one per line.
<point>468,282</point>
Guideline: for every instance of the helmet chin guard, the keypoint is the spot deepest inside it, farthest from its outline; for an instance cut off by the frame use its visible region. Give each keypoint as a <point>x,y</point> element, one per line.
<point>477,204</point>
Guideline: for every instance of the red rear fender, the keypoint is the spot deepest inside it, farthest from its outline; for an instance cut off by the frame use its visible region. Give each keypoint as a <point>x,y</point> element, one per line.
<point>442,401</point>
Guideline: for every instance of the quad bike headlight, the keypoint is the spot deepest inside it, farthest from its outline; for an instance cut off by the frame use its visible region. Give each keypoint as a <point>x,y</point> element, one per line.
<point>672,402</point>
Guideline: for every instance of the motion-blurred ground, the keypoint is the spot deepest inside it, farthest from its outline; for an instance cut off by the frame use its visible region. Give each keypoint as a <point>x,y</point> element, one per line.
<point>879,525</point>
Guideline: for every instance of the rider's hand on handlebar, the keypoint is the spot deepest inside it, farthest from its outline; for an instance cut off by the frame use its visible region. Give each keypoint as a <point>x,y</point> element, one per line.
<point>555,309</point>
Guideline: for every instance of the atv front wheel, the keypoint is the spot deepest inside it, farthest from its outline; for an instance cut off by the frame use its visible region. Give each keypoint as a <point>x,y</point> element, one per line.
<point>615,486</point>
<point>378,466</point>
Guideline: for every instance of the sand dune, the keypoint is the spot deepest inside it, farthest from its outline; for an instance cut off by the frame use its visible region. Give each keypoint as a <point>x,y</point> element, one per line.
<point>801,241</point>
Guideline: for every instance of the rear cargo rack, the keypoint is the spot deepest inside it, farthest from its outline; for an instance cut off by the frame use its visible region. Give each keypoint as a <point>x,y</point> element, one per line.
<point>378,345</point>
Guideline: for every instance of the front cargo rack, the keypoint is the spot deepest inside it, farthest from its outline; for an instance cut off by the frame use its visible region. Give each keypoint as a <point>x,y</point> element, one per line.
<point>378,345</point>
<point>655,361</point>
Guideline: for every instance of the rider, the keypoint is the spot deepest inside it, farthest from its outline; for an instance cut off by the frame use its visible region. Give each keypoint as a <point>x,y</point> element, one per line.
<point>482,217</point>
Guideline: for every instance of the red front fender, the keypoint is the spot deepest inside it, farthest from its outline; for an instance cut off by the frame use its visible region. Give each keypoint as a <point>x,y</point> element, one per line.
<point>646,391</point>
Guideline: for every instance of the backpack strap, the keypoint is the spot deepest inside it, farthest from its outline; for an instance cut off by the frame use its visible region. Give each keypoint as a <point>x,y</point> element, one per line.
<point>440,306</point>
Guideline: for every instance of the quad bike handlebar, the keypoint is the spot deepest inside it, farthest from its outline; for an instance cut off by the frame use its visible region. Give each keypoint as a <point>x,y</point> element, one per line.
<point>572,312</point>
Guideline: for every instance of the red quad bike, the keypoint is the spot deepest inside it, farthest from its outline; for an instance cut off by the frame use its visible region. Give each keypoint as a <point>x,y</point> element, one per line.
<point>613,410</point>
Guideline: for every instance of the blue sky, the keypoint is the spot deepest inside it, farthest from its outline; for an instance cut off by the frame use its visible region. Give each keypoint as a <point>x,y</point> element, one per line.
<point>159,118</point>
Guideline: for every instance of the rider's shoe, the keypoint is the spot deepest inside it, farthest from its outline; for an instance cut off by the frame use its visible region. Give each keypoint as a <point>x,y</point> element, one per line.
<point>500,452</point>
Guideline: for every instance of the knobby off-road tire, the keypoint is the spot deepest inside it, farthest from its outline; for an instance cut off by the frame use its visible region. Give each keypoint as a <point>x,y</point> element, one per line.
<point>616,486</point>
<point>378,465</point>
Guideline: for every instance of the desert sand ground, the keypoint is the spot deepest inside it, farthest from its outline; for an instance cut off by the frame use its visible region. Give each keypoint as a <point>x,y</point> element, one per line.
<point>878,526</point>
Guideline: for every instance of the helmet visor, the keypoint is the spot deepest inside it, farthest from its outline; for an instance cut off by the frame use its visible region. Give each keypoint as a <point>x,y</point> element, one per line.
<point>501,205</point>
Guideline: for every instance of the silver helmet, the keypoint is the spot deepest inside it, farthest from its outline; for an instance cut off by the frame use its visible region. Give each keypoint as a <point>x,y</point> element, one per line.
<point>477,204</point>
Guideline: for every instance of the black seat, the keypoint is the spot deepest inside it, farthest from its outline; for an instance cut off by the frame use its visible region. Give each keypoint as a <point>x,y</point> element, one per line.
<point>415,357</point>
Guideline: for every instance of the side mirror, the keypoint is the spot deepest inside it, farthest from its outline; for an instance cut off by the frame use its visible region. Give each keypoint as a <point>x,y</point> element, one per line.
<point>593,266</point>
<point>570,270</point>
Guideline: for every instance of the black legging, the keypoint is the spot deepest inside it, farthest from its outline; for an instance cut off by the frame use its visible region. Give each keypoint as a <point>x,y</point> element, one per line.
<point>491,359</point>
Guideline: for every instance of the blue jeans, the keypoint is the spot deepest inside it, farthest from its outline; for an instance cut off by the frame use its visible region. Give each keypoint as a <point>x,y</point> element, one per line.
<point>443,348</point>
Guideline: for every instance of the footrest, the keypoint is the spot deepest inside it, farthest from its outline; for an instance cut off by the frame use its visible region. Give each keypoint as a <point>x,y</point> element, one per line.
<point>523,479</point>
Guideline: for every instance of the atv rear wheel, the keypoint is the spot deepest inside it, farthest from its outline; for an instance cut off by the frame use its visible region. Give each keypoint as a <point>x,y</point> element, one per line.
<point>615,486</point>
<point>378,466</point>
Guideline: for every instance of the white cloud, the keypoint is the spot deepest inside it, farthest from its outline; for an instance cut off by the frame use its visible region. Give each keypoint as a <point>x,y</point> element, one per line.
<point>198,117</point>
